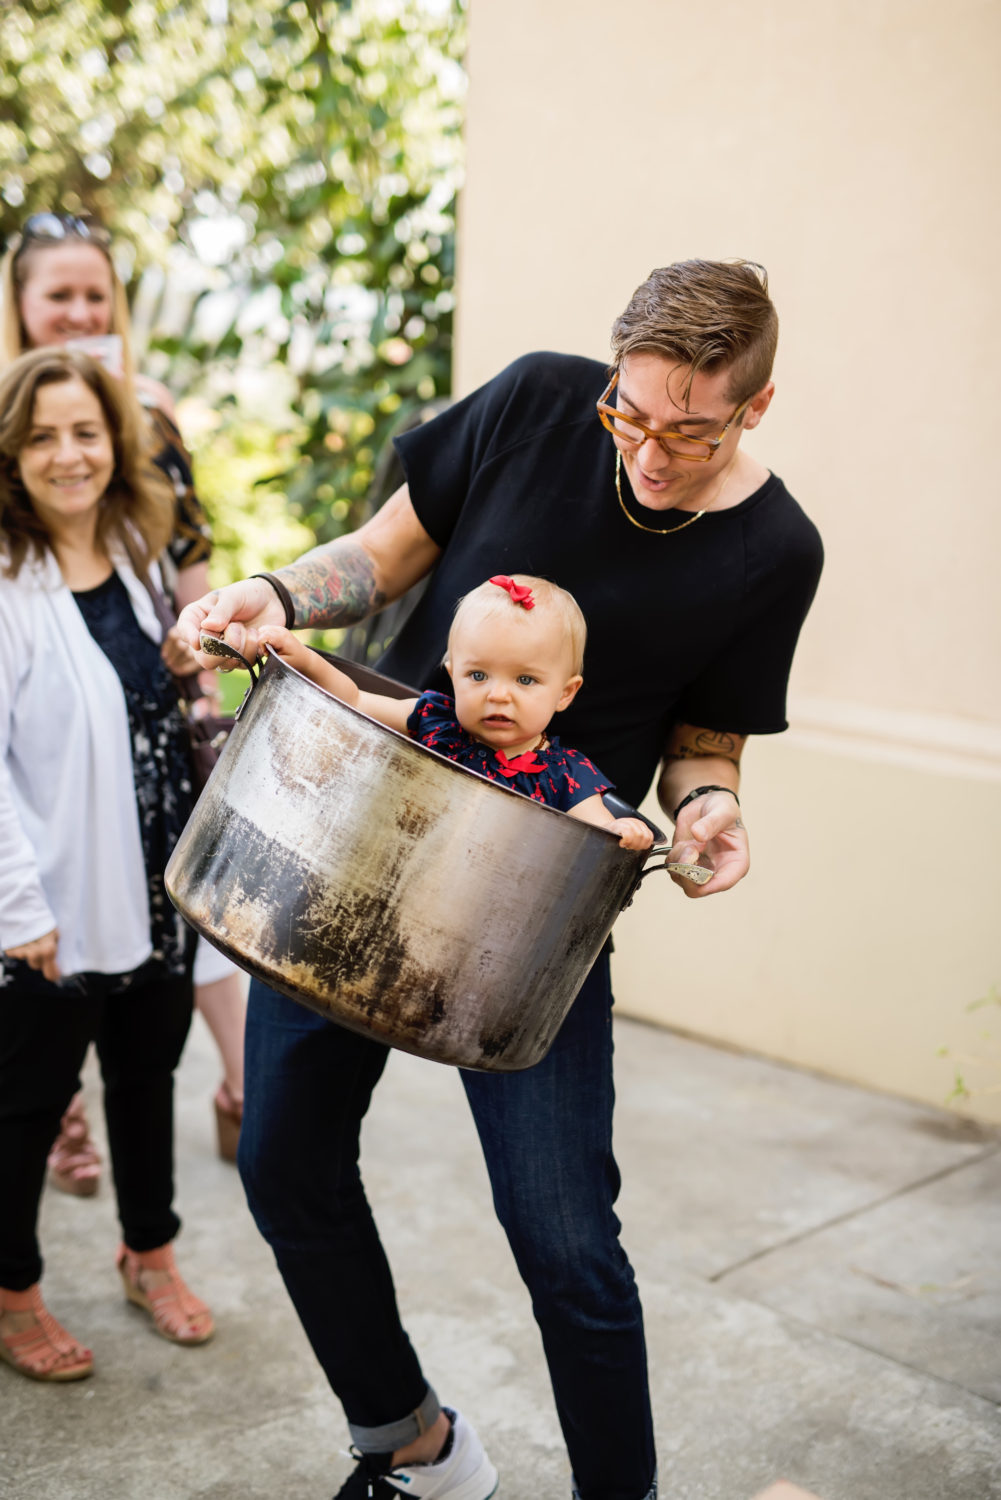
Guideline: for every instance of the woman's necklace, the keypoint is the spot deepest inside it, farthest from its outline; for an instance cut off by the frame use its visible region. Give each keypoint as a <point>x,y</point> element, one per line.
<point>662,530</point>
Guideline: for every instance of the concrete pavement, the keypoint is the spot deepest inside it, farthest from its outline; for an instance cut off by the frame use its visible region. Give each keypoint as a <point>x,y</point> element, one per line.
<point>819,1267</point>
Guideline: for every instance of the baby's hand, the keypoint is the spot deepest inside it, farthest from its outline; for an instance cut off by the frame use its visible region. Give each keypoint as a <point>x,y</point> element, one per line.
<point>283,643</point>
<point>632,833</point>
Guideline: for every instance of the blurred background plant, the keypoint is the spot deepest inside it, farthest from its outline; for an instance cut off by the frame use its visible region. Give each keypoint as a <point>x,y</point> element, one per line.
<point>281,182</point>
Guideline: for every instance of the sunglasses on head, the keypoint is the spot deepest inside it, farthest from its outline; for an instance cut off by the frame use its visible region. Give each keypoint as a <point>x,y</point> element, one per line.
<point>55,227</point>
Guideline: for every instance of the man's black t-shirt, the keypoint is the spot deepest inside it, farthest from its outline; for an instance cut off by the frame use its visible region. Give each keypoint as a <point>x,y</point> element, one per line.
<point>697,627</point>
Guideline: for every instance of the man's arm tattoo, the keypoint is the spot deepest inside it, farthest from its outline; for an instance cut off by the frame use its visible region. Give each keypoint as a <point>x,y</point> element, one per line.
<point>333,586</point>
<point>706,742</point>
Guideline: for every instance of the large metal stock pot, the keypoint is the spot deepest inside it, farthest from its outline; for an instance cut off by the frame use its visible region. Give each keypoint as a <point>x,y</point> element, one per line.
<point>389,889</point>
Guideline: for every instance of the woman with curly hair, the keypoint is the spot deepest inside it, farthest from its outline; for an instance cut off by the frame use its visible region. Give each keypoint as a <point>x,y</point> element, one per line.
<point>95,787</point>
<point>59,288</point>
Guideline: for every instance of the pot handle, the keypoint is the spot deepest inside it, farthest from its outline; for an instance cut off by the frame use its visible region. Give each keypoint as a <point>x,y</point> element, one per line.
<point>214,645</point>
<point>619,808</point>
<point>697,874</point>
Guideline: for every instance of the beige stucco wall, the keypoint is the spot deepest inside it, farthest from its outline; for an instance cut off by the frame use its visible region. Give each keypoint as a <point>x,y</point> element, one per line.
<point>854,149</point>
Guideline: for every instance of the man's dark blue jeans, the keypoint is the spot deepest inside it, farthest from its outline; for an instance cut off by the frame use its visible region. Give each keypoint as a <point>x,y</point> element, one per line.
<point>546,1134</point>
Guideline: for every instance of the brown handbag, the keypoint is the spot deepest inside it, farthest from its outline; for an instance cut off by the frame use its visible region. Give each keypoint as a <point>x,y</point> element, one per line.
<point>207,734</point>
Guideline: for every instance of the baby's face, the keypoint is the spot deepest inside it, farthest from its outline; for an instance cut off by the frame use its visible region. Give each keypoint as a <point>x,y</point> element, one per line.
<point>510,679</point>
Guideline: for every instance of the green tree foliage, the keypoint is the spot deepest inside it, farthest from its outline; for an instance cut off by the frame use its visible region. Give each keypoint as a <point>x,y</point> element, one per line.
<point>280,179</point>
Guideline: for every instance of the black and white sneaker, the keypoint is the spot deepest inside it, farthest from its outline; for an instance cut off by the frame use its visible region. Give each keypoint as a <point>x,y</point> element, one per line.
<point>462,1472</point>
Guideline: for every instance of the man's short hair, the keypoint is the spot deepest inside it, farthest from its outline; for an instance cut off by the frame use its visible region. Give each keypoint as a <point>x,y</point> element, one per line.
<point>708,315</point>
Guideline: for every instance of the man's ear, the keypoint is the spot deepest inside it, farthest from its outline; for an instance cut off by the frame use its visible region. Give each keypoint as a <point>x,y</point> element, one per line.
<point>570,692</point>
<point>757,406</point>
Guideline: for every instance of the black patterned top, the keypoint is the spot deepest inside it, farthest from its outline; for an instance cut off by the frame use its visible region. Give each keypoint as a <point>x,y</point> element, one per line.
<point>553,775</point>
<point>161,761</point>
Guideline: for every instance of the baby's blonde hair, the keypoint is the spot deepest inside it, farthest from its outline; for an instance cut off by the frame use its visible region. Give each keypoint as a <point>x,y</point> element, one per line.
<point>492,600</point>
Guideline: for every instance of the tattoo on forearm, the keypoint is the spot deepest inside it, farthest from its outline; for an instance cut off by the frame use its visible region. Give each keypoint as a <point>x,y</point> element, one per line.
<point>738,823</point>
<point>333,587</point>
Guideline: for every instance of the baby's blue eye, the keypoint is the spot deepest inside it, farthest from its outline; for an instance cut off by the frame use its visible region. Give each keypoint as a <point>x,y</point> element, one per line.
<point>525,680</point>
<point>478,676</point>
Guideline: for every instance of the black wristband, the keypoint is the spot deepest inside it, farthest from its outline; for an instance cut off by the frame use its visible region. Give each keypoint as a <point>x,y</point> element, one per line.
<point>698,793</point>
<point>283,595</point>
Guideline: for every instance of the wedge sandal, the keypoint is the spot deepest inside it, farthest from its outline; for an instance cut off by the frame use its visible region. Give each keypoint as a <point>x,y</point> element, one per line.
<point>177,1313</point>
<point>43,1350</point>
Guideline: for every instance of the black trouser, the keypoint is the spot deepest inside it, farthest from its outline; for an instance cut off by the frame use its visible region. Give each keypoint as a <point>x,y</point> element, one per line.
<point>139,1023</point>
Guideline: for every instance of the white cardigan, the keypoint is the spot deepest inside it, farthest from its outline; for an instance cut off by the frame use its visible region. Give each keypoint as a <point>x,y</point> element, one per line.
<point>70,848</point>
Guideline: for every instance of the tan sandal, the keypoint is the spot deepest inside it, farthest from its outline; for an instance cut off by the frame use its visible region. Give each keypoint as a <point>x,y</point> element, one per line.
<point>176,1312</point>
<point>42,1350</point>
<point>74,1161</point>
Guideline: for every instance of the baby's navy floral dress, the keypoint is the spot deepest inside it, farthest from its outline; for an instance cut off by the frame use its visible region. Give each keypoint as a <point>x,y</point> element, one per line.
<point>556,776</point>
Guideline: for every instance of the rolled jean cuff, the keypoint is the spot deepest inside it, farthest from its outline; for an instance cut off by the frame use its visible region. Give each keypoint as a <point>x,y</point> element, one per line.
<point>651,1493</point>
<point>395,1435</point>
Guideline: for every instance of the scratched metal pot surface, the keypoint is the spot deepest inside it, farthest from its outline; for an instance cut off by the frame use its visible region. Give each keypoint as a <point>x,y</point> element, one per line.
<point>390,890</point>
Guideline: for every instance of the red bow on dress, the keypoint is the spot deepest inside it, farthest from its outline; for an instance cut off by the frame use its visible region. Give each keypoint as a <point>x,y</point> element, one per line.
<point>518,591</point>
<point>524,762</point>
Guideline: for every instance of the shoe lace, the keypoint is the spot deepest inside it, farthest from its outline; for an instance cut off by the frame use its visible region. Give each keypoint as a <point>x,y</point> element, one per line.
<point>371,1467</point>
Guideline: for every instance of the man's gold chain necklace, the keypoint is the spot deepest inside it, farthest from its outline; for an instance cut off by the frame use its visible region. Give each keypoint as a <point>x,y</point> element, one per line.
<point>658,530</point>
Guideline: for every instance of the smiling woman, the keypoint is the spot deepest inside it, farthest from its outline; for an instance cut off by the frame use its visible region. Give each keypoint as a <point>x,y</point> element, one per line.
<point>68,441</point>
<point>90,948</point>
<point>69,296</point>
<point>59,288</point>
<point>66,464</point>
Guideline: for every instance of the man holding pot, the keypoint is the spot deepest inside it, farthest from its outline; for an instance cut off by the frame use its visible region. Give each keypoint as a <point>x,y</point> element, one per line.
<point>695,569</point>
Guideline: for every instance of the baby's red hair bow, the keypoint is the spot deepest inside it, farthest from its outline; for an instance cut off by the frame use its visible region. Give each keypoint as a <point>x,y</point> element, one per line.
<point>518,591</point>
